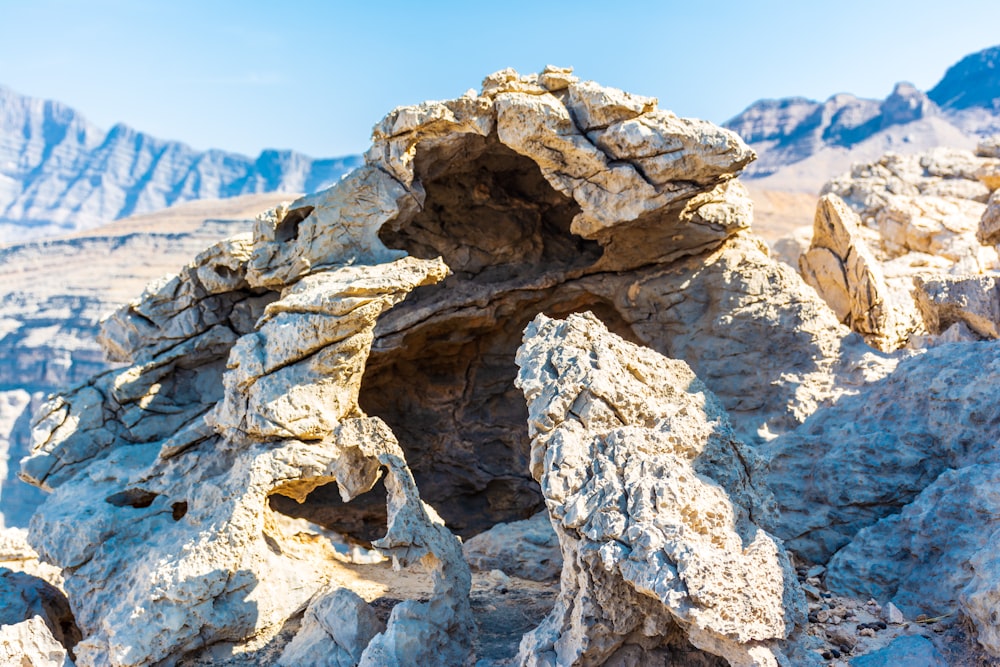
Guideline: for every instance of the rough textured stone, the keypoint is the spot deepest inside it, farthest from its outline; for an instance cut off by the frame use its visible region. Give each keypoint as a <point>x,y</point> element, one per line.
<point>652,499</point>
<point>941,172</point>
<point>30,644</point>
<point>847,276</point>
<point>988,232</point>
<point>911,651</point>
<point>252,374</point>
<point>902,557</point>
<point>972,300</point>
<point>868,455</point>
<point>528,549</point>
<point>337,627</point>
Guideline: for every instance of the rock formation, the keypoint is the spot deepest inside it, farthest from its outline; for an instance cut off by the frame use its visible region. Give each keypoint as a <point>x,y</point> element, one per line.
<point>49,323</point>
<point>352,363</point>
<point>908,262</point>
<point>652,499</point>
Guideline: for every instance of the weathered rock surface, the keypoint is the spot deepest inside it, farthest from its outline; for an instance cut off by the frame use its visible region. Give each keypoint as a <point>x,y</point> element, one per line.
<point>988,232</point>
<point>922,223</point>
<point>847,276</point>
<point>652,499</point>
<point>360,346</point>
<point>49,320</point>
<point>901,558</point>
<point>844,469</point>
<point>971,300</point>
<point>528,549</point>
<point>910,651</point>
<point>30,644</point>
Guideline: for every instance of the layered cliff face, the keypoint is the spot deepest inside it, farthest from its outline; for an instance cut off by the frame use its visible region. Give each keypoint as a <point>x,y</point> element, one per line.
<point>543,297</point>
<point>59,173</point>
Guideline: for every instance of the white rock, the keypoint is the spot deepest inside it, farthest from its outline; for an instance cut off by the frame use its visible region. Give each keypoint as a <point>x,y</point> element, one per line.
<point>651,499</point>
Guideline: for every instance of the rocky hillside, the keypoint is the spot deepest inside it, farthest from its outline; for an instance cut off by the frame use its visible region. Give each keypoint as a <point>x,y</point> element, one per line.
<point>60,173</point>
<point>802,143</point>
<point>536,315</point>
<point>53,294</point>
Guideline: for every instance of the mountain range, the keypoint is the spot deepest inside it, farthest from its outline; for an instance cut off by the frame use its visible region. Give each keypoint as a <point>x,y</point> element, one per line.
<point>59,173</point>
<point>802,143</point>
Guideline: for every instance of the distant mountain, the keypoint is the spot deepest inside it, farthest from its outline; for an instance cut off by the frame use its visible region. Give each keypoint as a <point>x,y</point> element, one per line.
<point>59,173</point>
<point>802,143</point>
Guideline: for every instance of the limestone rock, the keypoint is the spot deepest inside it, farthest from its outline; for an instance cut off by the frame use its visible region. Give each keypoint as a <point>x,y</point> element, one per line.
<point>528,549</point>
<point>938,226</point>
<point>988,232</point>
<point>989,147</point>
<point>651,497</point>
<point>941,172</point>
<point>849,278</point>
<point>335,631</point>
<point>973,300</point>
<point>909,651</point>
<point>49,321</point>
<point>252,374</point>
<point>30,644</point>
<point>989,175</point>
<point>901,558</point>
<point>869,455</point>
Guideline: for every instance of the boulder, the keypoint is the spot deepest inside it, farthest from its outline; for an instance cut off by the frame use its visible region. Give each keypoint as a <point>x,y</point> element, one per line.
<point>651,497</point>
<point>30,644</point>
<point>974,301</point>
<point>847,276</point>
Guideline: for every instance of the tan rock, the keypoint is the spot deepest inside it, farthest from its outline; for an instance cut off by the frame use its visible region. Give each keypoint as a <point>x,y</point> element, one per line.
<point>30,644</point>
<point>988,232</point>
<point>847,276</point>
<point>972,300</point>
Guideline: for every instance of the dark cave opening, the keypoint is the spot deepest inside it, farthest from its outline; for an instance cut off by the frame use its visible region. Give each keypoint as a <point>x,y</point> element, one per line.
<point>446,384</point>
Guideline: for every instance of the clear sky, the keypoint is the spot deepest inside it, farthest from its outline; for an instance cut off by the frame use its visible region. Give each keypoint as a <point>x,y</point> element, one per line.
<point>315,76</point>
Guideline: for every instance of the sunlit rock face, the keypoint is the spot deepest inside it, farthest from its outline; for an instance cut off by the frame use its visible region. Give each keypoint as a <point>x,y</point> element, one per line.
<point>543,297</point>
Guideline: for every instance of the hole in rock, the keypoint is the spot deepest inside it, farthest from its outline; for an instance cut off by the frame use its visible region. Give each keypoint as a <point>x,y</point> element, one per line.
<point>137,498</point>
<point>178,510</point>
<point>288,228</point>
<point>489,213</point>
<point>445,385</point>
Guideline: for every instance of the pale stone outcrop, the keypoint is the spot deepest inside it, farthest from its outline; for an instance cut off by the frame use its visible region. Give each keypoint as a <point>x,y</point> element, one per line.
<point>652,499</point>
<point>869,455</point>
<point>847,276</point>
<point>901,558</point>
<point>30,644</point>
<point>972,300</point>
<point>941,172</point>
<point>988,232</point>
<point>528,549</point>
<point>921,216</point>
<point>402,292</point>
<point>337,627</point>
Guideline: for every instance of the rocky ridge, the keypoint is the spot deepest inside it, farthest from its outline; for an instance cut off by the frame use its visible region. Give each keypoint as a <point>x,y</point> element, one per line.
<point>59,173</point>
<point>352,363</point>
<point>802,142</point>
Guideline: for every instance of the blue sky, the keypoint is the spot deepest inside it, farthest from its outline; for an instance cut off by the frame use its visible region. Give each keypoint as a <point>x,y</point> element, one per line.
<point>315,76</point>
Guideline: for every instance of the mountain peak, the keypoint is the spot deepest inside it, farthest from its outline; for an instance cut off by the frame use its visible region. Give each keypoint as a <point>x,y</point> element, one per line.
<point>906,104</point>
<point>972,82</point>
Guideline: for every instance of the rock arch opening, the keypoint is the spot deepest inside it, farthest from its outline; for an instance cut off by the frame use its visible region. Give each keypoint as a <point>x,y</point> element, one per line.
<point>441,372</point>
